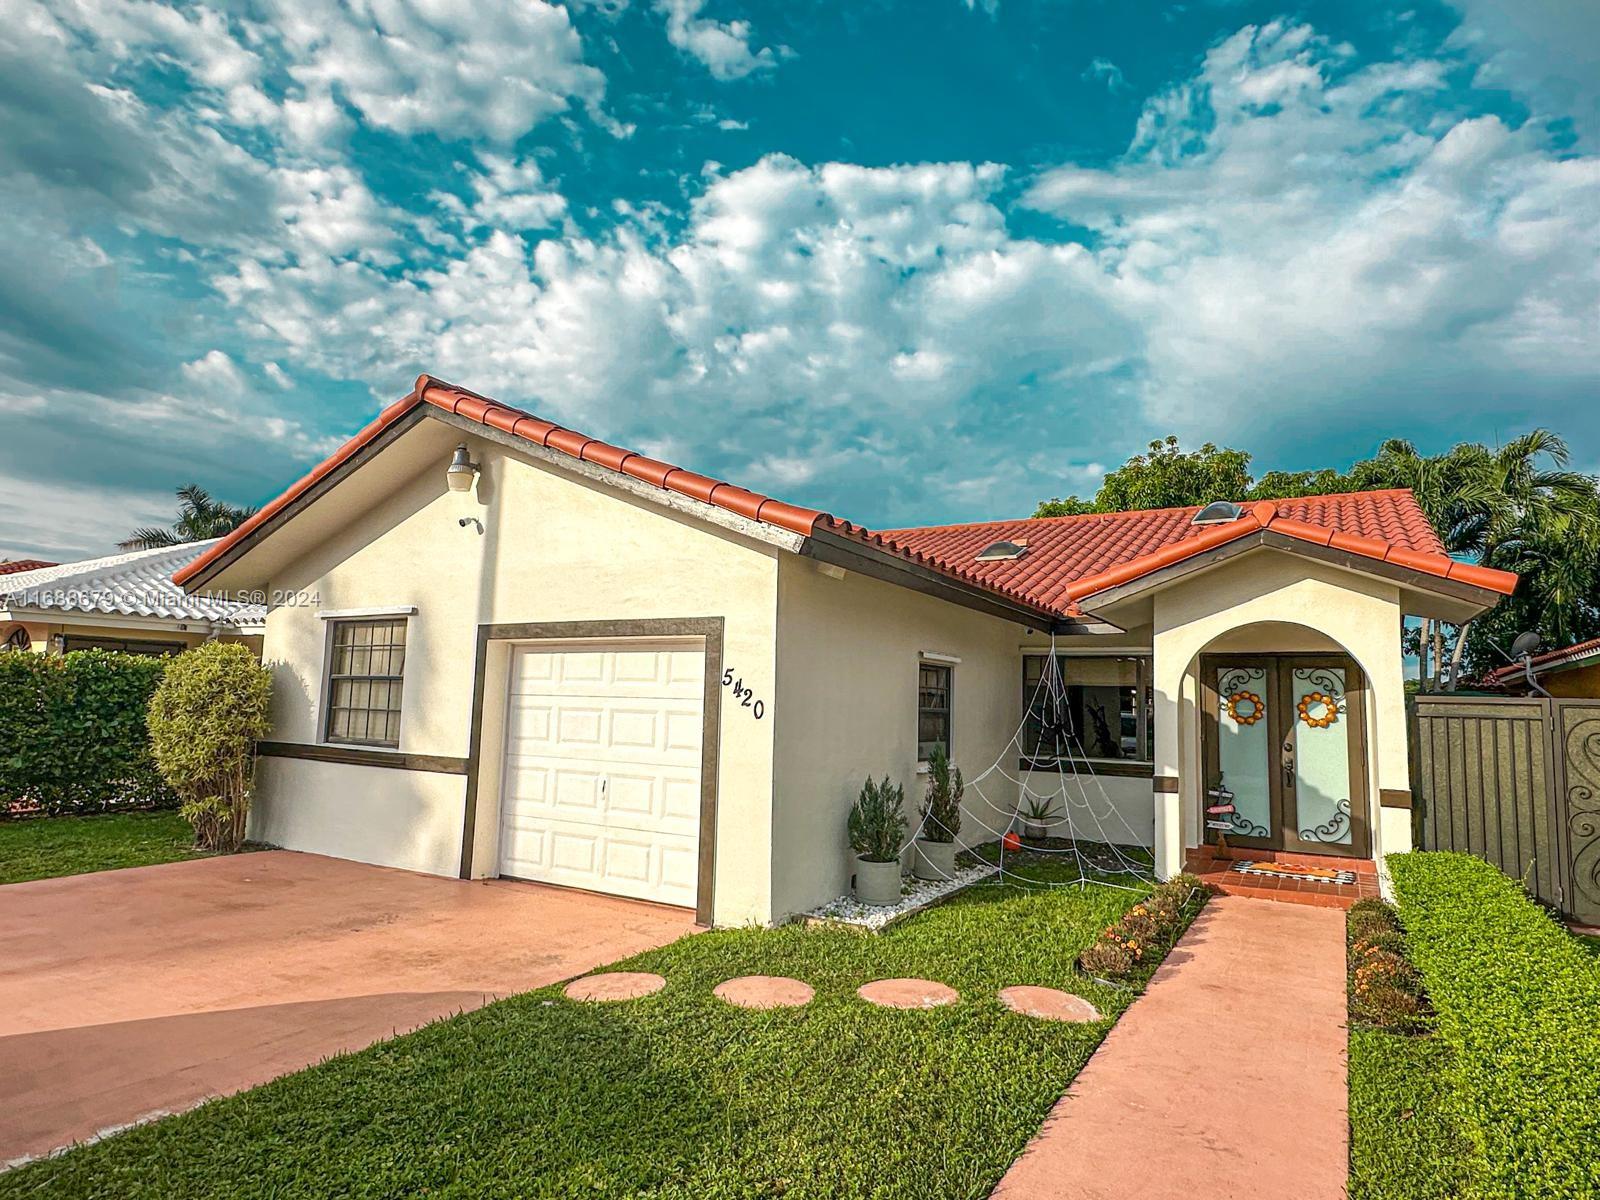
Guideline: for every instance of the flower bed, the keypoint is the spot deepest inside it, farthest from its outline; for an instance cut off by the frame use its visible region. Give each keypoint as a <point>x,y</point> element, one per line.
<point>1147,929</point>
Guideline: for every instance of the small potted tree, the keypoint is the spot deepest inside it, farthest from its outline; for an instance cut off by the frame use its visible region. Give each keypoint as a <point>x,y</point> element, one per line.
<point>1036,818</point>
<point>877,826</point>
<point>935,856</point>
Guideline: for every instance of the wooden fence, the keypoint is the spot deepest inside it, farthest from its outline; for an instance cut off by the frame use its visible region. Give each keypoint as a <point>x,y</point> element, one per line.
<point>1515,782</point>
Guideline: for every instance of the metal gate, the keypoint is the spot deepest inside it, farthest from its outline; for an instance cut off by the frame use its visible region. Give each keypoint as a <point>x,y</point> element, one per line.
<point>1515,782</point>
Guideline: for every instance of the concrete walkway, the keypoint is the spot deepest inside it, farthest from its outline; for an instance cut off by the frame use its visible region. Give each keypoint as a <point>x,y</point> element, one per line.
<point>1226,1079</point>
<point>128,994</point>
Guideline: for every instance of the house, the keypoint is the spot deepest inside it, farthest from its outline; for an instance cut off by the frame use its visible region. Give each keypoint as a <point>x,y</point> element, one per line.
<point>504,648</point>
<point>1573,671</point>
<point>124,602</point>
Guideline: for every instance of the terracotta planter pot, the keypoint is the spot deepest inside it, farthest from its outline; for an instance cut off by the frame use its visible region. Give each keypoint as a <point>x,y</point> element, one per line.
<point>877,882</point>
<point>933,861</point>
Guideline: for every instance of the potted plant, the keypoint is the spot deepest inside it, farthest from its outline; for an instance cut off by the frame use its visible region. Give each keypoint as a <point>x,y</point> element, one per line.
<point>1036,818</point>
<point>935,856</point>
<point>877,827</point>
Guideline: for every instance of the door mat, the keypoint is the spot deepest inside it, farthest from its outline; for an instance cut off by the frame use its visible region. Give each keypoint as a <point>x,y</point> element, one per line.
<point>1295,871</point>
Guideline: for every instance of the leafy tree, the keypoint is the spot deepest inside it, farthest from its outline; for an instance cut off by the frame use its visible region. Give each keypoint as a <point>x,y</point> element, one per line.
<point>199,517</point>
<point>1165,476</point>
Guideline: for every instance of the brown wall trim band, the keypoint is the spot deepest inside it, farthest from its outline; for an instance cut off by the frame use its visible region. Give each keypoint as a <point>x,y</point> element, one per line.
<point>356,756</point>
<point>1394,798</point>
<point>710,629</point>
<point>1078,767</point>
<point>1166,785</point>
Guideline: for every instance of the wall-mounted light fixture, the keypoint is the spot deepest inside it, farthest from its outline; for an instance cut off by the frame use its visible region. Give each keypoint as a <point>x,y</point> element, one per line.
<point>462,471</point>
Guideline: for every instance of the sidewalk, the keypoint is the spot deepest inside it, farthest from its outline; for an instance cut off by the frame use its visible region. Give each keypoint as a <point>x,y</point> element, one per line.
<point>1226,1079</point>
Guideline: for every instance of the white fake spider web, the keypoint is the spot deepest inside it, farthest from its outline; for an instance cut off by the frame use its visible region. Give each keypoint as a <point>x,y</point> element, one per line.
<point>1081,811</point>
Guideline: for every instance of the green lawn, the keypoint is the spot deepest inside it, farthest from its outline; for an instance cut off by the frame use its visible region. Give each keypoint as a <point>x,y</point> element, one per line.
<point>45,847</point>
<point>675,1095</point>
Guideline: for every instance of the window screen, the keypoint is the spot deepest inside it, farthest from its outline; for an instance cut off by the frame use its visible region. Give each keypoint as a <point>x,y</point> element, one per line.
<point>364,682</point>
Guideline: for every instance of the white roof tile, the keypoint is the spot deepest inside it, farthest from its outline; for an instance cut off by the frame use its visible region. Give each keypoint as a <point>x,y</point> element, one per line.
<point>138,583</point>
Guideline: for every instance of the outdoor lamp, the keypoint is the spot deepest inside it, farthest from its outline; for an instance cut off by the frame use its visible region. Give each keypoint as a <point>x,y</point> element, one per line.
<point>462,471</point>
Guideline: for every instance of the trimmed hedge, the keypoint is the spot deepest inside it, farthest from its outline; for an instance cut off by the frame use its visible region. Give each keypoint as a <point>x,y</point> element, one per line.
<point>1518,1001</point>
<point>72,732</point>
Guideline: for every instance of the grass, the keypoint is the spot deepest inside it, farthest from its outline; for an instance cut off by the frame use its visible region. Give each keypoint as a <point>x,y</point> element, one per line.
<point>47,847</point>
<point>1403,1146</point>
<point>676,1095</point>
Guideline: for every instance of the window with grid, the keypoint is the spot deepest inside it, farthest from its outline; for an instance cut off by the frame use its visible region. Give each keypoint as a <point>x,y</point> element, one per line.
<point>364,682</point>
<point>933,708</point>
<point>1101,709</point>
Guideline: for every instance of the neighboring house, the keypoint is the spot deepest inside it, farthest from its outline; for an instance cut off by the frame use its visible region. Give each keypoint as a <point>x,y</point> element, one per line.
<point>1573,671</point>
<point>11,566</point>
<point>592,668</point>
<point>124,602</point>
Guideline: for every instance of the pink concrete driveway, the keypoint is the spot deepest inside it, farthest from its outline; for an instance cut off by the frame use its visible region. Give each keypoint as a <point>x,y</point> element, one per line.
<point>128,994</point>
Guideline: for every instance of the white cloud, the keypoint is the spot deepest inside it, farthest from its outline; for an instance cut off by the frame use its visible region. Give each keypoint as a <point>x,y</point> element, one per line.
<point>723,47</point>
<point>1546,50</point>
<point>494,67</point>
<point>1104,71</point>
<point>1302,246</point>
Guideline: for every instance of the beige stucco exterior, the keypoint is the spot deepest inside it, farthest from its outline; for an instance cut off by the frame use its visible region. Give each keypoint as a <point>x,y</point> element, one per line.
<point>552,547</point>
<point>1269,601</point>
<point>833,652</point>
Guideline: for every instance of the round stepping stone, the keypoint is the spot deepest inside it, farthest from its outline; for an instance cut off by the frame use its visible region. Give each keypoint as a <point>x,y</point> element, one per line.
<point>615,985</point>
<point>1048,1004</point>
<point>907,993</point>
<point>764,991</point>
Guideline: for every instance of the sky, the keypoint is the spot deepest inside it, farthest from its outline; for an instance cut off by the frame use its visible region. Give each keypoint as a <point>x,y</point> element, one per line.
<point>909,262</point>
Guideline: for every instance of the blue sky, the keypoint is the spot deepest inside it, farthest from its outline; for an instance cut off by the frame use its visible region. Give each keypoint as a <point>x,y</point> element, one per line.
<point>909,262</point>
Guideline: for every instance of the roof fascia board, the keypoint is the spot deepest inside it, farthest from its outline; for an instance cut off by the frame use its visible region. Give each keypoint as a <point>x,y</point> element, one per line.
<point>1482,598</point>
<point>674,502</point>
<point>387,437</point>
<point>828,547</point>
<point>115,620</point>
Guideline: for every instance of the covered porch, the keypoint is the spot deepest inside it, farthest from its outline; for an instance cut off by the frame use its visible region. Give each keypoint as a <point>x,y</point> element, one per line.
<point>1278,712</point>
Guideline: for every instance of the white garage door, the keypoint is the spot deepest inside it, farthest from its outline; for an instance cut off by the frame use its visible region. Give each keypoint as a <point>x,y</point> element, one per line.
<point>602,769</point>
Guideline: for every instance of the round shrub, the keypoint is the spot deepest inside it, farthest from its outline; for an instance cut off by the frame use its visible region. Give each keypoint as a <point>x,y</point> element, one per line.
<point>207,714</point>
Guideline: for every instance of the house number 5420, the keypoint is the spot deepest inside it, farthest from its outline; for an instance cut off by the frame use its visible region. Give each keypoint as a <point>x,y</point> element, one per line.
<point>745,696</point>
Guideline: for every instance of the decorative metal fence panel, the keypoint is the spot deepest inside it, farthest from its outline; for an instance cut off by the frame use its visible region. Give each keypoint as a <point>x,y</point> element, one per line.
<point>1515,782</point>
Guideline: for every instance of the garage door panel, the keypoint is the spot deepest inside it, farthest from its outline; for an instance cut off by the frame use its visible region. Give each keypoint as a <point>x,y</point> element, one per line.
<point>602,769</point>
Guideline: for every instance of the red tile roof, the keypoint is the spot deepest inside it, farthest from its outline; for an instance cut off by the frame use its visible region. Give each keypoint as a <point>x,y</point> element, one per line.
<point>1567,656</point>
<point>1067,559</point>
<point>12,565</point>
<point>1070,558</point>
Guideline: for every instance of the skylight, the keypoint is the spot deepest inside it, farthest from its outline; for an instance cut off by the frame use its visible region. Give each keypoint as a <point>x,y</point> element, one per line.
<point>1219,512</point>
<point>1001,551</point>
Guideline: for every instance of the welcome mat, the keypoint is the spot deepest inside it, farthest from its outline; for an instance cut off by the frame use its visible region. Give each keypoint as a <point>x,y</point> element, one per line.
<point>1295,871</point>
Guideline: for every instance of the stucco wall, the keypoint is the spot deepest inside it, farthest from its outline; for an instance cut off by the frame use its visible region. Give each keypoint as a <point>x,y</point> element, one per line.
<point>846,707</point>
<point>1271,601</point>
<point>552,548</point>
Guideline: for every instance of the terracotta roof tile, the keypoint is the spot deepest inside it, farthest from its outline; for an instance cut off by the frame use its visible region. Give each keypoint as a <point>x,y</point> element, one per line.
<point>12,565</point>
<point>1067,558</point>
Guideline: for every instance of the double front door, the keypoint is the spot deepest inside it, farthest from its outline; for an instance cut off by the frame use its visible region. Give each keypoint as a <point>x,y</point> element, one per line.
<point>1285,753</point>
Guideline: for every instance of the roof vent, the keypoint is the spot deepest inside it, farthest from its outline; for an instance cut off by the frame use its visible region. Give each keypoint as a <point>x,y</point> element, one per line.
<point>1219,512</point>
<point>1001,551</point>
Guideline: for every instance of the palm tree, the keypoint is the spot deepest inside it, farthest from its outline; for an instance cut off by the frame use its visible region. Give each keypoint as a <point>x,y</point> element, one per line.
<point>1518,508</point>
<point>199,517</point>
